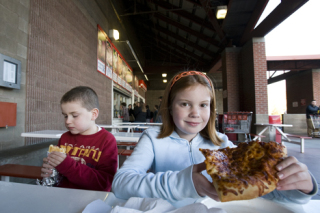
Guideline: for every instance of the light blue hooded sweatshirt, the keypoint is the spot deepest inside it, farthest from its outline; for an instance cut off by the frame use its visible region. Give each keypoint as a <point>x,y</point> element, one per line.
<point>162,168</point>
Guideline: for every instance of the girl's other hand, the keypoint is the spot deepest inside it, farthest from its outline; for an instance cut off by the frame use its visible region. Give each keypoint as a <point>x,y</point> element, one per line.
<point>202,185</point>
<point>294,175</point>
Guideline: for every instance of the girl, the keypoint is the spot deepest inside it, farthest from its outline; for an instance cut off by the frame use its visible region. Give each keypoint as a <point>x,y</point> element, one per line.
<point>167,162</point>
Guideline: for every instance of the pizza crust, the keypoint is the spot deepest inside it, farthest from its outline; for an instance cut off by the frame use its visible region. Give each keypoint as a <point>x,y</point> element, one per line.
<point>245,172</point>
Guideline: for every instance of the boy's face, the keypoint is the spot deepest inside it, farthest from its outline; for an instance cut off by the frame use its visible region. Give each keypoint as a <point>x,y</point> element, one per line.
<point>190,111</point>
<point>78,119</point>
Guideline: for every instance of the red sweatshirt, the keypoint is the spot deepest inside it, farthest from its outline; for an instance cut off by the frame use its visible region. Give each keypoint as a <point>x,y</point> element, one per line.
<point>91,161</point>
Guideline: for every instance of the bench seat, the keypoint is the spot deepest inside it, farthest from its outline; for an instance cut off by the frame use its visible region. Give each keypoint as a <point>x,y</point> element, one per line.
<point>301,143</point>
<point>21,171</point>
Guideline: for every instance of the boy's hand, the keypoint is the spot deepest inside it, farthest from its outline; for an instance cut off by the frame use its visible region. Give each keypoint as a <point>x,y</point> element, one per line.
<point>46,169</point>
<point>202,185</point>
<point>294,175</point>
<point>55,158</point>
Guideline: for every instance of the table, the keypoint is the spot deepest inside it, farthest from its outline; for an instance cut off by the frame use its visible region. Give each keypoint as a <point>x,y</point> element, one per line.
<point>262,205</point>
<point>44,134</point>
<point>17,197</point>
<point>115,128</point>
<point>272,130</point>
<point>127,137</point>
<point>120,136</point>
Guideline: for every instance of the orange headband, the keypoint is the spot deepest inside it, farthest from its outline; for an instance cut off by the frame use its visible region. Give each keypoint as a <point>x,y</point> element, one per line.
<point>184,74</point>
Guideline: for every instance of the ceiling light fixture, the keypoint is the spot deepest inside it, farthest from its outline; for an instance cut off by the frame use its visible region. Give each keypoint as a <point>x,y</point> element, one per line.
<point>221,12</point>
<point>164,75</point>
<point>114,34</point>
<point>164,80</point>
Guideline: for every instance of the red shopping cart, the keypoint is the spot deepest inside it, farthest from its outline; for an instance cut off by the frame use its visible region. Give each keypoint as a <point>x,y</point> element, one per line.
<point>237,123</point>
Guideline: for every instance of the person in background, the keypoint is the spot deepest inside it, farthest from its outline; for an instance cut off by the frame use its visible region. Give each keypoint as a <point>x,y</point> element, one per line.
<point>131,116</point>
<point>124,112</point>
<point>312,109</point>
<point>140,113</point>
<point>167,163</point>
<point>158,118</point>
<point>148,114</point>
<point>91,158</point>
<point>155,113</point>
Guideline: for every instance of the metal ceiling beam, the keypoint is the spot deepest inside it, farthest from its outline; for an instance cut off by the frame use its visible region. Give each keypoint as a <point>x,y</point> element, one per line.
<point>186,41</point>
<point>213,19</point>
<point>167,49</point>
<point>293,65</point>
<point>195,2</point>
<point>175,46</point>
<point>282,77</point>
<point>278,15</point>
<point>181,49</point>
<point>184,14</point>
<point>168,69</point>
<point>197,34</point>
<point>163,52</point>
<point>179,38</point>
<point>258,10</point>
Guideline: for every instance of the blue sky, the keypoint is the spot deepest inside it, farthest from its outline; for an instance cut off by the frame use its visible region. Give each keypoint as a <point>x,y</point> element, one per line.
<point>299,34</point>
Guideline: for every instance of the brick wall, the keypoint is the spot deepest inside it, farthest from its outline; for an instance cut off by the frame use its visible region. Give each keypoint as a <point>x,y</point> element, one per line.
<point>253,86</point>
<point>260,79</point>
<point>299,87</point>
<point>316,84</point>
<point>62,54</point>
<point>230,75</point>
<point>14,19</point>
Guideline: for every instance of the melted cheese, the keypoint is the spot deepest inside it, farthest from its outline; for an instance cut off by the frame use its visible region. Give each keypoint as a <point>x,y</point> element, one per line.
<point>244,172</point>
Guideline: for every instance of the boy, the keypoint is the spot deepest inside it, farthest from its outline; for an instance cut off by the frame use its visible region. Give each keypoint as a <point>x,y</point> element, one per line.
<point>91,159</point>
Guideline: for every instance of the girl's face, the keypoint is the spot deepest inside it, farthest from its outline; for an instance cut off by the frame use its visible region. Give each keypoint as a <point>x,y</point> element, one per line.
<point>191,111</point>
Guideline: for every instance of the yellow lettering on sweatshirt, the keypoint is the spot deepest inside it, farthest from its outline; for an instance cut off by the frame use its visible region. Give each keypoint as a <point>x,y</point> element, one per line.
<point>82,152</point>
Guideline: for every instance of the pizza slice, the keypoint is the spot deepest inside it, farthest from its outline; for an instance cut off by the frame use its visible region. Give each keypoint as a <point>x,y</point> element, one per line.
<point>56,148</point>
<point>245,172</point>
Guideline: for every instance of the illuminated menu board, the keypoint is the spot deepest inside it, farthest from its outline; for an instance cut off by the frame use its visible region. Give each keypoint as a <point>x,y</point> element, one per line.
<point>111,63</point>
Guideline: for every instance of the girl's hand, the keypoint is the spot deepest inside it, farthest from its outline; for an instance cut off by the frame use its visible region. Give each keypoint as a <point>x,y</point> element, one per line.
<point>55,158</point>
<point>46,169</point>
<point>294,175</point>
<point>202,185</point>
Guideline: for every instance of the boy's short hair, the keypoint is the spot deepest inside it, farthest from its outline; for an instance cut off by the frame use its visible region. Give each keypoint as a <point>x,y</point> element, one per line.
<point>124,104</point>
<point>85,95</point>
